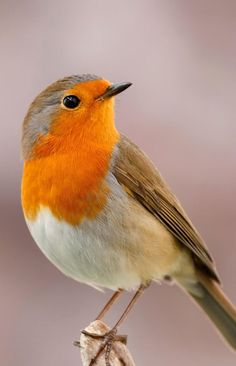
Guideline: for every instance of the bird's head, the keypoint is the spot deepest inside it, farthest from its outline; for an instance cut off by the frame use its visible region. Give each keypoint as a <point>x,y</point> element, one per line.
<point>71,110</point>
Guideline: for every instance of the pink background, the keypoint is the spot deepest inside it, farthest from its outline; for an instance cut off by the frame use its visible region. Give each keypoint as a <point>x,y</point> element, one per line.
<point>181,57</point>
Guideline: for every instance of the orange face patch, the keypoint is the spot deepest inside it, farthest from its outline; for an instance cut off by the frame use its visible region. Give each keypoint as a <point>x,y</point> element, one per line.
<point>69,165</point>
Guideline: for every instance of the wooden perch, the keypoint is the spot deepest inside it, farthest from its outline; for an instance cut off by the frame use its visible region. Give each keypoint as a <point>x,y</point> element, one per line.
<point>89,346</point>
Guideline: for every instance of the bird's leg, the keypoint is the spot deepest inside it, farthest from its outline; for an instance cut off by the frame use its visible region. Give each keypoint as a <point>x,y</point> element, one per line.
<point>109,304</point>
<point>110,337</point>
<point>134,299</point>
<point>101,315</point>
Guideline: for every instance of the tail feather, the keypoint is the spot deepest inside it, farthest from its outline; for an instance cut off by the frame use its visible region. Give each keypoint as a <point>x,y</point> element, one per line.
<point>216,305</point>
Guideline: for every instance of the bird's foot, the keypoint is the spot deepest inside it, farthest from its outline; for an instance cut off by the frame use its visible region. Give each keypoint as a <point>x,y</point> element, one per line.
<point>108,339</point>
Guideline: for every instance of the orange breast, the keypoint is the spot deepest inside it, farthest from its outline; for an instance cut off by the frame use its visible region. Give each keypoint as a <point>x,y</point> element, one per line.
<point>68,166</point>
<point>72,185</point>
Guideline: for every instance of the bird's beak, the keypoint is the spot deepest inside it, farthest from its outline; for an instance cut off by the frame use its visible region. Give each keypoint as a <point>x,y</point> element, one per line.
<point>113,90</point>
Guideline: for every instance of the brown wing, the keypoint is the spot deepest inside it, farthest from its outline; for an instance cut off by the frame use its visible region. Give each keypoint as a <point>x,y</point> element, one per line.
<point>135,171</point>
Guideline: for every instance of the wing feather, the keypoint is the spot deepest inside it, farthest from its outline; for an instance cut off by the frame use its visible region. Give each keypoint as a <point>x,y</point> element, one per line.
<point>134,170</point>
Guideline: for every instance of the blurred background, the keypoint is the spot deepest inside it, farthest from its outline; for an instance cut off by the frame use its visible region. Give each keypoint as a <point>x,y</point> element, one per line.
<point>180,56</point>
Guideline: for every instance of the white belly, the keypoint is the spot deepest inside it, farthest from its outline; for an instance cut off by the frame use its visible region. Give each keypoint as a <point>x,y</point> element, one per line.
<point>80,253</point>
<point>121,248</point>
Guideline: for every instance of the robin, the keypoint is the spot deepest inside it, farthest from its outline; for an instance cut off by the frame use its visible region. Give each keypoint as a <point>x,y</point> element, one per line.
<point>99,209</point>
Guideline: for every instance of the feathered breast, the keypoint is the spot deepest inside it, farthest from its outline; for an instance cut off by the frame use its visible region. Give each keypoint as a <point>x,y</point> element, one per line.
<point>72,186</point>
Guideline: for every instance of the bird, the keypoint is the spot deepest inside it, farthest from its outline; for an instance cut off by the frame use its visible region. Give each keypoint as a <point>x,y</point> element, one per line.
<point>99,209</point>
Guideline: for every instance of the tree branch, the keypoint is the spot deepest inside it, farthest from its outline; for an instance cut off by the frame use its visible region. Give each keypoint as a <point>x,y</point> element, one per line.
<point>89,346</point>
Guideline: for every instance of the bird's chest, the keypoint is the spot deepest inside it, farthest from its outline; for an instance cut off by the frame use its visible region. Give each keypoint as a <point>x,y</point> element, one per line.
<point>92,251</point>
<point>73,187</point>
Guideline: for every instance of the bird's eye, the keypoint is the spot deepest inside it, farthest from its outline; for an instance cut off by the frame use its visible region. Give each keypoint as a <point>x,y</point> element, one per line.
<point>71,101</point>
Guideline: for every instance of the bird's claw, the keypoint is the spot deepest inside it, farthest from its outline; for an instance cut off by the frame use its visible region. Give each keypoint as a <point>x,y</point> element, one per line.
<point>108,339</point>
